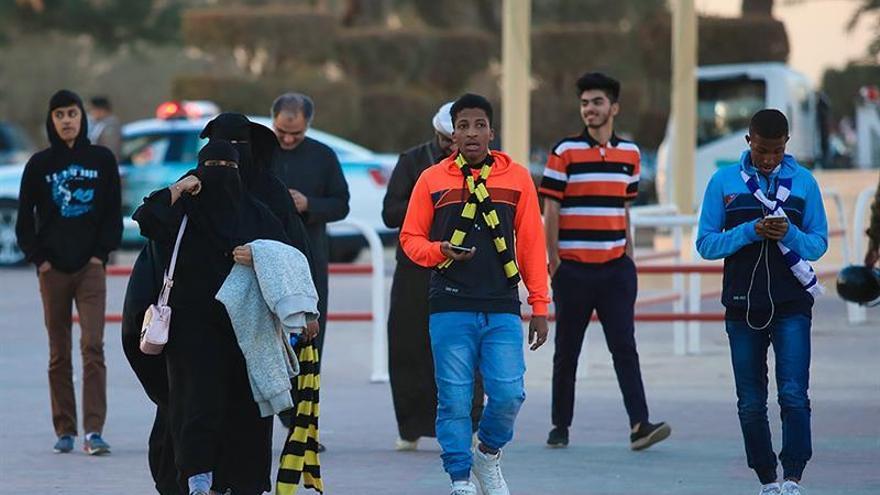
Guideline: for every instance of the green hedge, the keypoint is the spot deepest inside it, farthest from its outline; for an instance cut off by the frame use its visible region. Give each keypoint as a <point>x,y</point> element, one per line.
<point>414,58</point>
<point>842,86</point>
<point>722,40</point>
<point>394,120</point>
<point>556,114</point>
<point>561,53</point>
<point>290,35</point>
<point>337,104</point>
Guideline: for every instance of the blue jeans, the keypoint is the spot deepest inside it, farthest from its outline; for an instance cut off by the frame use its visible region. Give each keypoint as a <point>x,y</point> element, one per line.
<point>461,342</point>
<point>790,337</point>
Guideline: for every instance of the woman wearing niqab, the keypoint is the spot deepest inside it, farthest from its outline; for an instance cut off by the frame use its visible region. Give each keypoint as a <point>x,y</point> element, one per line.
<point>255,144</point>
<point>220,441</point>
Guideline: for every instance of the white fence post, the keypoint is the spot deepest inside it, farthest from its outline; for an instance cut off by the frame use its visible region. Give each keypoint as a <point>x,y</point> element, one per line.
<point>380,336</point>
<point>856,313</point>
<point>843,223</point>
<point>695,297</point>
<point>686,337</point>
<point>678,327</point>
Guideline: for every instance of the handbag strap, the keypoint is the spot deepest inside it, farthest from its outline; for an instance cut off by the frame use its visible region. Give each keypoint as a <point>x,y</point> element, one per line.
<point>169,273</point>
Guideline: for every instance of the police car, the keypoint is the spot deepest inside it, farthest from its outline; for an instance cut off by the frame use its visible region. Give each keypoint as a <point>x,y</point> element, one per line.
<point>156,152</point>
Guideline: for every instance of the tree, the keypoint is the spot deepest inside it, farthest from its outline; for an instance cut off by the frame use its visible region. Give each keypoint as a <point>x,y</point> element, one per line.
<point>110,23</point>
<point>757,7</point>
<point>869,8</point>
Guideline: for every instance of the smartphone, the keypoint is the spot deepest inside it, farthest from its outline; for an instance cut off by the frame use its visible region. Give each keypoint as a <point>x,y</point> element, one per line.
<point>460,249</point>
<point>777,220</point>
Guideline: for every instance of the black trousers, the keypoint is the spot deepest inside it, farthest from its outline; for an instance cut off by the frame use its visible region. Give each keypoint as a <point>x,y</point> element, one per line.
<point>410,362</point>
<point>610,289</point>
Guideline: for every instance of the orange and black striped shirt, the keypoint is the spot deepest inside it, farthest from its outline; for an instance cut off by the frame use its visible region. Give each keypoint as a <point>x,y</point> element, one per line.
<point>593,183</point>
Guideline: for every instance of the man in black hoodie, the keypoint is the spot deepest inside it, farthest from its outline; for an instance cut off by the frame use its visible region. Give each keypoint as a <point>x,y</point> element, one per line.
<point>69,220</point>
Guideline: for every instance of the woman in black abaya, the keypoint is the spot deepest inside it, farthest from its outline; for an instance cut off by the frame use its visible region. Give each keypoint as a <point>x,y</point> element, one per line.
<point>212,415</point>
<point>255,144</point>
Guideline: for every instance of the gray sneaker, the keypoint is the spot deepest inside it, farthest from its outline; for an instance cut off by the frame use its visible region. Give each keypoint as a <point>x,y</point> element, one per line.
<point>463,488</point>
<point>95,445</point>
<point>791,488</point>
<point>487,470</point>
<point>64,444</point>
<point>771,489</point>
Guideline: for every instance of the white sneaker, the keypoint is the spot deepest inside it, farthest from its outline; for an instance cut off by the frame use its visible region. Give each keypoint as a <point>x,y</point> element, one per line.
<point>791,488</point>
<point>402,445</point>
<point>770,489</point>
<point>463,488</point>
<point>487,470</point>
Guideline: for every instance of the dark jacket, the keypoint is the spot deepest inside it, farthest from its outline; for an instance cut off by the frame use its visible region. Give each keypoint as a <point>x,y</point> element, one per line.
<point>313,169</point>
<point>727,230</point>
<point>478,285</point>
<point>410,166</point>
<point>69,203</point>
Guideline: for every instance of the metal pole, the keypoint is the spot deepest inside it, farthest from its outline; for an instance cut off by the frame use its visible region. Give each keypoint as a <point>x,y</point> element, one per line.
<point>515,77</point>
<point>684,101</point>
<point>379,372</point>
<point>679,339</point>
<point>857,313</point>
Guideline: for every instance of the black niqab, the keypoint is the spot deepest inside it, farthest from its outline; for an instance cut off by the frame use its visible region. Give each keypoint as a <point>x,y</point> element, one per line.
<point>218,205</point>
<point>236,128</point>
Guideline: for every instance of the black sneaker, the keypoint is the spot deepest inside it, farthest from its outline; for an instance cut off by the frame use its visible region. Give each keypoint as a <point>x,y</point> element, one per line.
<point>648,434</point>
<point>558,438</point>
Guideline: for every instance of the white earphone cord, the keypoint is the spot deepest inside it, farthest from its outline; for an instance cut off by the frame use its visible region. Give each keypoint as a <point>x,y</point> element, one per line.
<point>763,253</point>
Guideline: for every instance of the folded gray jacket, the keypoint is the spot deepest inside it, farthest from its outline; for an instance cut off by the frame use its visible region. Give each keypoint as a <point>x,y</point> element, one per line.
<point>264,303</point>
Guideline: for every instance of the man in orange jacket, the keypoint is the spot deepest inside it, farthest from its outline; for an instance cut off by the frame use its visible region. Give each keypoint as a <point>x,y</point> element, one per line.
<point>474,219</point>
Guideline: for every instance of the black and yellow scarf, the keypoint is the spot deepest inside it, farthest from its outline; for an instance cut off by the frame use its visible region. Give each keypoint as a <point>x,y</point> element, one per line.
<point>479,201</point>
<point>299,459</point>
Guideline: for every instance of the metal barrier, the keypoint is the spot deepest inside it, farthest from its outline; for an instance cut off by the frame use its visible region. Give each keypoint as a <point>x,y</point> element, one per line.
<point>666,216</point>
<point>686,294</point>
<point>380,316</point>
<point>377,315</point>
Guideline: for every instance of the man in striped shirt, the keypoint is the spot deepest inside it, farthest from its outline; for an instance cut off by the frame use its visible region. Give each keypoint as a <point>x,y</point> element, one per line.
<point>588,182</point>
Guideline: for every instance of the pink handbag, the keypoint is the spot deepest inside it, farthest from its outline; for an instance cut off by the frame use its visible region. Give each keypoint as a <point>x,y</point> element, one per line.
<point>157,319</point>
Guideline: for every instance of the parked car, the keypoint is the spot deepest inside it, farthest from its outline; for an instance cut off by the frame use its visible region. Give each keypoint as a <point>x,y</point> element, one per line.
<point>15,146</point>
<point>156,152</point>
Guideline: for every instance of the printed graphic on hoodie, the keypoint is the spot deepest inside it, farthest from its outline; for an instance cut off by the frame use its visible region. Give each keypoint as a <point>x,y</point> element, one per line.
<point>73,190</point>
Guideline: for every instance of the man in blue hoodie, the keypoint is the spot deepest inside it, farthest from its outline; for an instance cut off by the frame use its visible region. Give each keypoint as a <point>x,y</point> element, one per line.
<point>766,219</point>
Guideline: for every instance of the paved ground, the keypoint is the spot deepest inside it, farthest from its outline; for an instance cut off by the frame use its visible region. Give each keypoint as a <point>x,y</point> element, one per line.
<point>693,393</point>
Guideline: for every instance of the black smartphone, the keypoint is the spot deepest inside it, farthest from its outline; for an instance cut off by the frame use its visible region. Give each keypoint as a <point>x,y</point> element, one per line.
<point>460,249</point>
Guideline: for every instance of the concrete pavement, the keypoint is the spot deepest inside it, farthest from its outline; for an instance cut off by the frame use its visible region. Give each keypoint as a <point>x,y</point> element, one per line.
<point>693,393</point>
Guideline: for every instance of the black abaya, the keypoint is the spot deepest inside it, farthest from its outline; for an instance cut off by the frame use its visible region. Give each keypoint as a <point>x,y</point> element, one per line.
<point>211,411</point>
<point>146,278</point>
